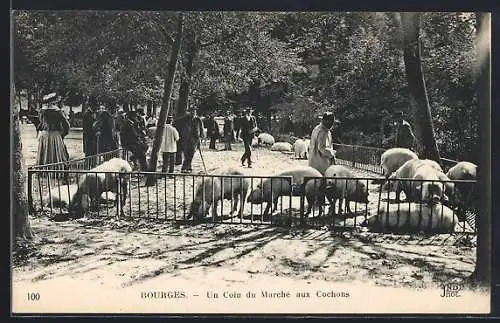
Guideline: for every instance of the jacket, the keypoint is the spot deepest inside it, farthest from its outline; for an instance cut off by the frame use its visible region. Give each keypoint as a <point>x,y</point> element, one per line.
<point>53,120</point>
<point>170,138</point>
<point>105,127</point>
<point>321,150</point>
<point>246,126</point>
<point>404,136</point>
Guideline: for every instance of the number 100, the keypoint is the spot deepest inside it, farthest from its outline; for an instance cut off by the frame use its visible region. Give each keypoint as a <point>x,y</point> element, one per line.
<point>33,296</point>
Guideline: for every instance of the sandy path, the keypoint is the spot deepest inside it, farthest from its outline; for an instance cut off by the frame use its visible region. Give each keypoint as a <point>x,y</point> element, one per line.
<point>139,252</point>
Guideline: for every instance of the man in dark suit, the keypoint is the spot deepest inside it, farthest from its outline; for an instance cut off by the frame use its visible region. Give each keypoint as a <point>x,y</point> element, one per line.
<point>89,138</point>
<point>228,130</point>
<point>247,128</point>
<point>404,136</point>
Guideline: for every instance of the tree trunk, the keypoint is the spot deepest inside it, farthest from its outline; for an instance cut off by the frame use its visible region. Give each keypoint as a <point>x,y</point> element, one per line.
<point>482,272</point>
<point>38,99</point>
<point>149,111</point>
<point>424,129</point>
<point>19,99</point>
<point>154,109</point>
<point>191,53</point>
<point>30,101</point>
<point>21,224</point>
<point>169,81</point>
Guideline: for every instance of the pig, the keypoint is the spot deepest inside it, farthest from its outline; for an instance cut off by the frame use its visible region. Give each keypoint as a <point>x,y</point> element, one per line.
<point>393,158</point>
<point>412,218</point>
<point>403,172</point>
<point>255,141</point>
<point>272,188</point>
<point>463,193</point>
<point>59,196</point>
<point>462,171</point>
<point>91,185</point>
<point>419,190</point>
<point>351,189</point>
<point>300,149</point>
<point>216,188</point>
<point>433,164</point>
<point>281,146</point>
<point>265,139</point>
<point>308,143</point>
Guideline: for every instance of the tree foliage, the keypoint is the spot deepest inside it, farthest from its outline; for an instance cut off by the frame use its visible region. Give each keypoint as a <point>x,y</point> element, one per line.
<point>351,62</point>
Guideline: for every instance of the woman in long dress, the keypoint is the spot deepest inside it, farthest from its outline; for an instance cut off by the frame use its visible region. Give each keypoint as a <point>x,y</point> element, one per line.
<point>52,129</point>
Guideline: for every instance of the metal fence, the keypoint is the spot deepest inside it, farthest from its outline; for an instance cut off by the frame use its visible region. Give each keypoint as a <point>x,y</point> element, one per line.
<point>266,200</point>
<point>84,163</point>
<point>172,197</point>
<point>56,174</point>
<point>361,157</point>
<point>368,158</point>
<point>355,202</point>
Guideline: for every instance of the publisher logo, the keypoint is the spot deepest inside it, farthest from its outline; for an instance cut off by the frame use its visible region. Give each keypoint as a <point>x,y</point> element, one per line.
<point>451,290</point>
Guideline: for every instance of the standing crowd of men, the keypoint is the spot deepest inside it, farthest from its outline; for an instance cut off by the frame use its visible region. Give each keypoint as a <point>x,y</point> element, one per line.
<point>104,132</point>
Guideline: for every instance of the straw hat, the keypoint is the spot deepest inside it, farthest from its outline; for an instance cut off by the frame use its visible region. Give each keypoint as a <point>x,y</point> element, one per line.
<point>49,98</point>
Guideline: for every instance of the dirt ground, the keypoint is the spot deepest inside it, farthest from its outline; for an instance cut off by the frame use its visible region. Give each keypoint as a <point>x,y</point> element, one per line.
<point>124,253</point>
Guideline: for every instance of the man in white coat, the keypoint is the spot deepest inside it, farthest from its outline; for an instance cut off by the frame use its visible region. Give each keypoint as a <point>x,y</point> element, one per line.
<point>321,153</point>
<point>169,146</point>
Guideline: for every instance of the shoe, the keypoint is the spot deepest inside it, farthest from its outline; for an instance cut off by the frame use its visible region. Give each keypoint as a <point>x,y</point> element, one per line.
<point>249,166</point>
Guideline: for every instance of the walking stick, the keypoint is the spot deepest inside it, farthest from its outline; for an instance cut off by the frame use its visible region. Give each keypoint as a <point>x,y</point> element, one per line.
<point>201,155</point>
<point>97,149</point>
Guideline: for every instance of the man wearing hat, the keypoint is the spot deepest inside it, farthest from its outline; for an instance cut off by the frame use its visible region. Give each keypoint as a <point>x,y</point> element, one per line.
<point>104,126</point>
<point>404,135</point>
<point>228,130</point>
<point>212,130</point>
<point>321,153</point>
<point>89,137</point>
<point>169,146</point>
<point>133,137</point>
<point>247,129</point>
<point>52,129</point>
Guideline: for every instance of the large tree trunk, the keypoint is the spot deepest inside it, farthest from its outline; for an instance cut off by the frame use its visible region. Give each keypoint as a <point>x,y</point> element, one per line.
<point>424,129</point>
<point>482,272</point>
<point>169,81</point>
<point>21,224</point>
<point>191,53</point>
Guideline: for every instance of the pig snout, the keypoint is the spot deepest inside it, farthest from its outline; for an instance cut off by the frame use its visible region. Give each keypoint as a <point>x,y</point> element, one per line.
<point>435,199</point>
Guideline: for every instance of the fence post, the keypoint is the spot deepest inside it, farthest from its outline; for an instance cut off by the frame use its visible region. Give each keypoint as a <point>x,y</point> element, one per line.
<point>302,202</point>
<point>353,157</point>
<point>31,208</point>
